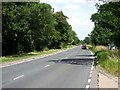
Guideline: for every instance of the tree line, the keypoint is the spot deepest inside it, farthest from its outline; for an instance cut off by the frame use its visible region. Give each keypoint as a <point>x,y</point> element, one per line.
<point>107,25</point>
<point>28,26</point>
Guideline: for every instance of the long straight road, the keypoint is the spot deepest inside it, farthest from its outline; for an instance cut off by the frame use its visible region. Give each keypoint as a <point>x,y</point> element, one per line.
<point>68,69</point>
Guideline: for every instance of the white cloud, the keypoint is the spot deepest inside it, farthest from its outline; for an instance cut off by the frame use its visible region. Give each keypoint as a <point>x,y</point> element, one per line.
<point>69,1</point>
<point>74,21</point>
<point>56,1</point>
<point>79,14</point>
<point>71,7</point>
<point>77,1</point>
<point>77,23</point>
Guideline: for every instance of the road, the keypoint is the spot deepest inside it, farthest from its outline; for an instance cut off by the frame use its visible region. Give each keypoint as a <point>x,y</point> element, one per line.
<point>68,69</point>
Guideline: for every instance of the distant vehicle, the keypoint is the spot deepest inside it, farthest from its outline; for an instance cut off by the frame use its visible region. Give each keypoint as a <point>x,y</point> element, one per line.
<point>83,47</point>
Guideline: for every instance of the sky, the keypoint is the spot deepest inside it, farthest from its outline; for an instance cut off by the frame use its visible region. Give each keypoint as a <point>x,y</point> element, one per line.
<point>79,13</point>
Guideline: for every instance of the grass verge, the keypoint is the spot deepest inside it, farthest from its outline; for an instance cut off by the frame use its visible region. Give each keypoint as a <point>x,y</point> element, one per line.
<point>108,60</point>
<point>34,54</point>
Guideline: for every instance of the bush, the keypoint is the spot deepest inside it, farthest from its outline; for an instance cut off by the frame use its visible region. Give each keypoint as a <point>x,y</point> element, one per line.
<point>102,55</point>
<point>108,59</point>
<point>45,49</point>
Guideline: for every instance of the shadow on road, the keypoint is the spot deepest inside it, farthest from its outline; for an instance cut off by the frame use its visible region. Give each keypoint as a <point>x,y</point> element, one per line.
<point>86,55</point>
<point>75,61</point>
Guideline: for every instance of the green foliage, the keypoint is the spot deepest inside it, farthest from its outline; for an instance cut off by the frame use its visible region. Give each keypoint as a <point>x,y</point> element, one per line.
<point>108,60</point>
<point>86,40</point>
<point>34,26</point>
<point>102,55</point>
<point>67,36</point>
<point>107,24</point>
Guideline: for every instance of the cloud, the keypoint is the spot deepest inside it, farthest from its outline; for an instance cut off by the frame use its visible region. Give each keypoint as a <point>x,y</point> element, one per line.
<point>79,14</point>
<point>56,1</point>
<point>77,1</point>
<point>69,1</point>
<point>71,7</point>
<point>78,23</point>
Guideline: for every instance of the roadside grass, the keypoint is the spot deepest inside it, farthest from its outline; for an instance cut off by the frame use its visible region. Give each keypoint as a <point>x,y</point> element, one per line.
<point>34,54</point>
<point>108,60</point>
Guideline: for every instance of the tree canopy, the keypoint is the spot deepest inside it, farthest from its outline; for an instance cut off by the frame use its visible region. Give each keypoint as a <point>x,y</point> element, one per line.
<point>107,24</point>
<point>31,26</point>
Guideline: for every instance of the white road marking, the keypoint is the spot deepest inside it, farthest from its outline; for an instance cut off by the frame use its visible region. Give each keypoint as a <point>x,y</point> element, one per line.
<point>90,72</point>
<point>91,52</point>
<point>18,77</point>
<point>89,80</point>
<point>66,57</point>
<point>90,75</point>
<point>47,66</point>
<point>91,67</point>
<point>87,86</point>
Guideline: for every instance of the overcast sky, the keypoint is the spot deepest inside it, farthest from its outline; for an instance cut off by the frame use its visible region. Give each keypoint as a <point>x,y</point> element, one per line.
<point>79,13</point>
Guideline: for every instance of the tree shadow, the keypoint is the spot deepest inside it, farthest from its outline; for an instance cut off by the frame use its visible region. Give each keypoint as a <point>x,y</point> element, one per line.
<point>86,55</point>
<point>74,61</point>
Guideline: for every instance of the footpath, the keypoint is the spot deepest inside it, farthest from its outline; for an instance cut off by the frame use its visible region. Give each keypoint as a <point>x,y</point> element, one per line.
<point>106,80</point>
<point>103,80</point>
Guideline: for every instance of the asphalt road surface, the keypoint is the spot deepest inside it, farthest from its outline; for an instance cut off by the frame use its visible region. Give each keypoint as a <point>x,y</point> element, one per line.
<point>68,69</point>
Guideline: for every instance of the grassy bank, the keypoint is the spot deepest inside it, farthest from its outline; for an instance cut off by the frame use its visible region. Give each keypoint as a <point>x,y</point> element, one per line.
<point>34,54</point>
<point>108,59</point>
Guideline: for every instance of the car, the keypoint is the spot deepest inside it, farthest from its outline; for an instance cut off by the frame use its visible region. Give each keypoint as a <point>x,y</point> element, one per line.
<point>83,47</point>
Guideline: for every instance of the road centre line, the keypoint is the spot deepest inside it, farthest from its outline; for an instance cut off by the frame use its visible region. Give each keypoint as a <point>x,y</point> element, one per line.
<point>47,66</point>
<point>66,57</point>
<point>18,77</point>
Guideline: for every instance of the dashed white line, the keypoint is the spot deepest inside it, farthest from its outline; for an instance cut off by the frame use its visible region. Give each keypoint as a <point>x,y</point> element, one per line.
<point>47,66</point>
<point>90,72</point>
<point>90,75</point>
<point>66,57</point>
<point>89,80</point>
<point>87,86</point>
<point>91,52</point>
<point>92,68</point>
<point>18,77</point>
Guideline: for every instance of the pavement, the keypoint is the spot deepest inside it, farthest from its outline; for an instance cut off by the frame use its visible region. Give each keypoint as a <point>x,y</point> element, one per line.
<point>107,80</point>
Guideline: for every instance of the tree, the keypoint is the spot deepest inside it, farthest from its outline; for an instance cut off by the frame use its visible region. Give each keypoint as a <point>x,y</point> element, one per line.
<point>87,40</point>
<point>107,24</point>
<point>34,26</point>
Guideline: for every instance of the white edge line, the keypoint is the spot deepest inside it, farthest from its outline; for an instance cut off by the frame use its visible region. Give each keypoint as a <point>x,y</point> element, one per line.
<point>91,52</point>
<point>92,67</point>
<point>90,72</point>
<point>18,77</point>
<point>89,80</point>
<point>87,86</point>
<point>90,75</point>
